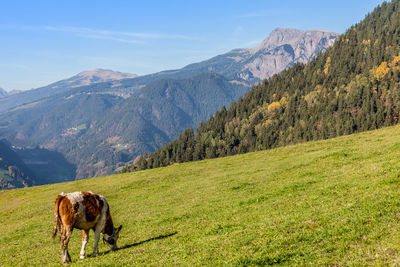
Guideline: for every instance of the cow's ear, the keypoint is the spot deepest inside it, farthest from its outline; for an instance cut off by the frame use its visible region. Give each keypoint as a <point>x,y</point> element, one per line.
<point>119,228</point>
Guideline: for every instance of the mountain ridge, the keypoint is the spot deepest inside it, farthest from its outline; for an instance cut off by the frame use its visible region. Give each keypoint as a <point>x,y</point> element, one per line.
<point>224,64</point>
<point>84,78</point>
<point>269,57</point>
<point>118,120</point>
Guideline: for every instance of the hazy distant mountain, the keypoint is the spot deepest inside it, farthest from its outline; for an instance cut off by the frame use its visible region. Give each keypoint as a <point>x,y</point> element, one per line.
<point>103,125</point>
<point>108,130</point>
<point>82,79</point>
<point>3,93</point>
<point>13,92</point>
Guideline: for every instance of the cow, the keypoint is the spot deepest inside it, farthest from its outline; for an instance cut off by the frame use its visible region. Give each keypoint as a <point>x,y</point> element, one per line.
<point>84,211</point>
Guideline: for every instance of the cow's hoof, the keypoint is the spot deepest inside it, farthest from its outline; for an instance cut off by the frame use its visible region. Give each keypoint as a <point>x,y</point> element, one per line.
<point>82,257</point>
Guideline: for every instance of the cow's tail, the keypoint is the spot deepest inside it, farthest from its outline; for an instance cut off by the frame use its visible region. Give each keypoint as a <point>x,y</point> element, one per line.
<point>57,220</point>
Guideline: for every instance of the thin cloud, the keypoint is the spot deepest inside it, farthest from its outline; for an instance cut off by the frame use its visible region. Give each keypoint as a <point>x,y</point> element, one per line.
<point>118,36</point>
<point>111,38</point>
<point>97,32</point>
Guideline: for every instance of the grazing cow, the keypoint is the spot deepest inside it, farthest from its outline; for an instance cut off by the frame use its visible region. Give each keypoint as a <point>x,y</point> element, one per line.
<point>84,211</point>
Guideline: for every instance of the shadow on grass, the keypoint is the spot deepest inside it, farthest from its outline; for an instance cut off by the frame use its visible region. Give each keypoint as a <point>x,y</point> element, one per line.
<point>142,242</point>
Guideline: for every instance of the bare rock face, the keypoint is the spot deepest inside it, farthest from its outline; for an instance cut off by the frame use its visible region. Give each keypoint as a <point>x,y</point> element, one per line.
<point>284,47</point>
<point>280,50</point>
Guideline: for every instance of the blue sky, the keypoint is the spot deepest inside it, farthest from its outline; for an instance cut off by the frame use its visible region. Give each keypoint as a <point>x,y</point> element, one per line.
<point>46,41</point>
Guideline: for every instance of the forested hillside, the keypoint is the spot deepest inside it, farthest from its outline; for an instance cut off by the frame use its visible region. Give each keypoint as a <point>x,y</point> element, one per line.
<point>353,87</point>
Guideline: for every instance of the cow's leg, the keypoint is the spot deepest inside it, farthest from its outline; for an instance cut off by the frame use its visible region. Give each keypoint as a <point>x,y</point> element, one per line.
<point>96,242</point>
<point>85,239</point>
<point>67,231</point>
<point>62,234</point>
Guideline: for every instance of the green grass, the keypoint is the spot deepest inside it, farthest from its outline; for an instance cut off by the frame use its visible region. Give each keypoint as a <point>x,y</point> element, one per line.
<point>334,202</point>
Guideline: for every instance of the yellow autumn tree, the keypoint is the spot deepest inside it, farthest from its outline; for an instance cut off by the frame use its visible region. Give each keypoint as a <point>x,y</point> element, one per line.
<point>273,106</point>
<point>381,71</point>
<point>327,65</point>
<point>366,42</point>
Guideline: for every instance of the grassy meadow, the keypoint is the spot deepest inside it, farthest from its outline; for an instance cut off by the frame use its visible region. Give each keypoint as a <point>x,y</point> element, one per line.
<point>334,202</point>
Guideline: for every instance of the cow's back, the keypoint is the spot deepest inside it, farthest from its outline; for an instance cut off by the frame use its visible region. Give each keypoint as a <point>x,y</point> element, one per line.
<point>88,208</point>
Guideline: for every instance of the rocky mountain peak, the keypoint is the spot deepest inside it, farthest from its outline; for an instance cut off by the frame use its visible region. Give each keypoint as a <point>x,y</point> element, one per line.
<point>283,47</point>
<point>293,37</point>
<point>277,37</point>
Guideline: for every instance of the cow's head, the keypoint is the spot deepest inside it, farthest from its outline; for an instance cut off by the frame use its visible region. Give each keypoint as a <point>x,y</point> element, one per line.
<point>112,239</point>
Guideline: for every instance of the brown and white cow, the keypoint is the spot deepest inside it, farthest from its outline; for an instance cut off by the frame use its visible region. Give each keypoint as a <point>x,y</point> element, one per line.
<point>84,211</point>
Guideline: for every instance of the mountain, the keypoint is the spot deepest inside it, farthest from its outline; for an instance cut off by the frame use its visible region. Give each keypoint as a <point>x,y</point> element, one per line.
<point>22,167</point>
<point>151,118</point>
<point>107,130</point>
<point>280,50</point>
<point>13,171</point>
<point>81,79</point>
<point>353,87</point>
<point>3,93</point>
<point>118,120</point>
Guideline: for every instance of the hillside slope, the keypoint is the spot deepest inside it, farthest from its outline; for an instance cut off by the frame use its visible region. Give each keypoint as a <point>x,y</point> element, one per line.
<point>333,202</point>
<point>353,87</point>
